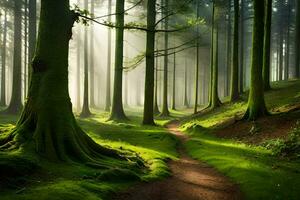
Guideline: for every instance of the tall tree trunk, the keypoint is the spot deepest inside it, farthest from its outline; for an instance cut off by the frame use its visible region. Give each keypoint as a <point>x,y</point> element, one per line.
<point>47,125</point>
<point>186,101</point>
<point>234,94</point>
<point>15,105</point>
<point>280,55</point>
<point>228,44</point>
<point>117,111</point>
<point>78,71</point>
<point>92,57</point>
<point>242,46</point>
<point>297,41</point>
<point>3,56</point>
<point>197,63</point>
<point>156,109</point>
<point>267,46</point>
<point>287,54</point>
<point>25,47</point>
<point>165,108</point>
<point>174,84</point>
<point>256,101</point>
<point>32,17</point>
<point>150,65</point>
<point>214,97</point>
<point>108,70</point>
<point>85,108</point>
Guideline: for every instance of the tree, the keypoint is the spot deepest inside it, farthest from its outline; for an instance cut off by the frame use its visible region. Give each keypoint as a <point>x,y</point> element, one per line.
<point>150,64</point>
<point>165,109</point>
<point>214,100</point>
<point>92,63</point>
<point>186,102</point>
<point>242,46</point>
<point>197,63</point>
<point>256,101</point>
<point>156,109</point>
<point>174,84</point>
<point>267,46</point>
<point>15,105</point>
<point>32,18</point>
<point>3,57</point>
<point>297,41</point>
<point>117,111</point>
<point>47,125</point>
<point>234,92</point>
<point>108,78</point>
<point>85,108</point>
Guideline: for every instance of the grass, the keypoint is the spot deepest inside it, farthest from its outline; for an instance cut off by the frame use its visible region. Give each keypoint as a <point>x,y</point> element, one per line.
<point>260,175</point>
<point>44,180</point>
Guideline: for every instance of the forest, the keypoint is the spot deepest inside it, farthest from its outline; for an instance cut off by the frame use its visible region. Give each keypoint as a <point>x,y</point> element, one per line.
<point>149,99</point>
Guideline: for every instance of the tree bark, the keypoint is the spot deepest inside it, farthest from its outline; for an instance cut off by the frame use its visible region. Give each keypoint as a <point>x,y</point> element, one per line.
<point>117,112</point>
<point>174,84</point>
<point>3,56</point>
<point>92,57</point>
<point>256,101</point>
<point>108,70</point>
<point>197,64</point>
<point>267,46</point>
<point>86,108</point>
<point>234,94</point>
<point>32,32</point>
<point>15,105</point>
<point>297,41</point>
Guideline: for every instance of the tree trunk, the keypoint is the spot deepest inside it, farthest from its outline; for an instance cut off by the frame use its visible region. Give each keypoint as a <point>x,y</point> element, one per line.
<point>174,84</point>
<point>47,125</point>
<point>108,70</point>
<point>256,101</point>
<point>242,46</point>
<point>3,56</point>
<point>165,108</point>
<point>280,55</point>
<point>267,46</point>
<point>25,82</point>
<point>287,55</point>
<point>117,112</point>
<point>214,97</point>
<point>85,108</point>
<point>31,34</point>
<point>78,71</point>
<point>15,105</point>
<point>197,63</point>
<point>228,43</point>
<point>234,94</point>
<point>156,109</point>
<point>186,102</point>
<point>150,65</point>
<point>92,57</point>
<point>297,41</point>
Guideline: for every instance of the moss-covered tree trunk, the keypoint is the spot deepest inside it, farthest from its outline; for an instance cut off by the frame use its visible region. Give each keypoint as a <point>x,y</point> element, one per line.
<point>214,100</point>
<point>3,62</point>
<point>117,111</point>
<point>256,101</point>
<point>234,91</point>
<point>197,63</point>
<point>47,125</point>
<point>15,105</point>
<point>165,107</point>
<point>85,107</point>
<point>267,46</point>
<point>108,70</point>
<point>297,41</point>
<point>150,65</point>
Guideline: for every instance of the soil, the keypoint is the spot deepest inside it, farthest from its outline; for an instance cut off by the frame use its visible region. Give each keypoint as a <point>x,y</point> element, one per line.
<point>190,180</point>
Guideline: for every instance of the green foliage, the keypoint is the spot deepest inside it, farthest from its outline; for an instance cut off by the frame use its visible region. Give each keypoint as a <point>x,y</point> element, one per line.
<point>289,147</point>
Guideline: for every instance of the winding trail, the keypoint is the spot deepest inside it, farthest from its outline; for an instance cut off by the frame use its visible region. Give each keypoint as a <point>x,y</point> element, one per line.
<point>190,180</point>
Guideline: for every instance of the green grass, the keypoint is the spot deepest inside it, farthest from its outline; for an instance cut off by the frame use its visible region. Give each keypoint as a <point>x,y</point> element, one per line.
<point>40,179</point>
<point>260,175</point>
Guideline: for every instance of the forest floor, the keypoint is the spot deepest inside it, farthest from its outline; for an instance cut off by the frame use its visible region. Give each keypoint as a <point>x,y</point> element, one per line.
<point>190,179</point>
<point>218,154</point>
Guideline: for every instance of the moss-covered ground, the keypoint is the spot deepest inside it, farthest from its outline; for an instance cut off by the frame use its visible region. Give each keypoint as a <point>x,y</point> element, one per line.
<point>260,174</point>
<point>26,176</point>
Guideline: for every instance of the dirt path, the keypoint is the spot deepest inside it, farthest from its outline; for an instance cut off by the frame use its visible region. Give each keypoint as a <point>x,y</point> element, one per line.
<point>190,180</point>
